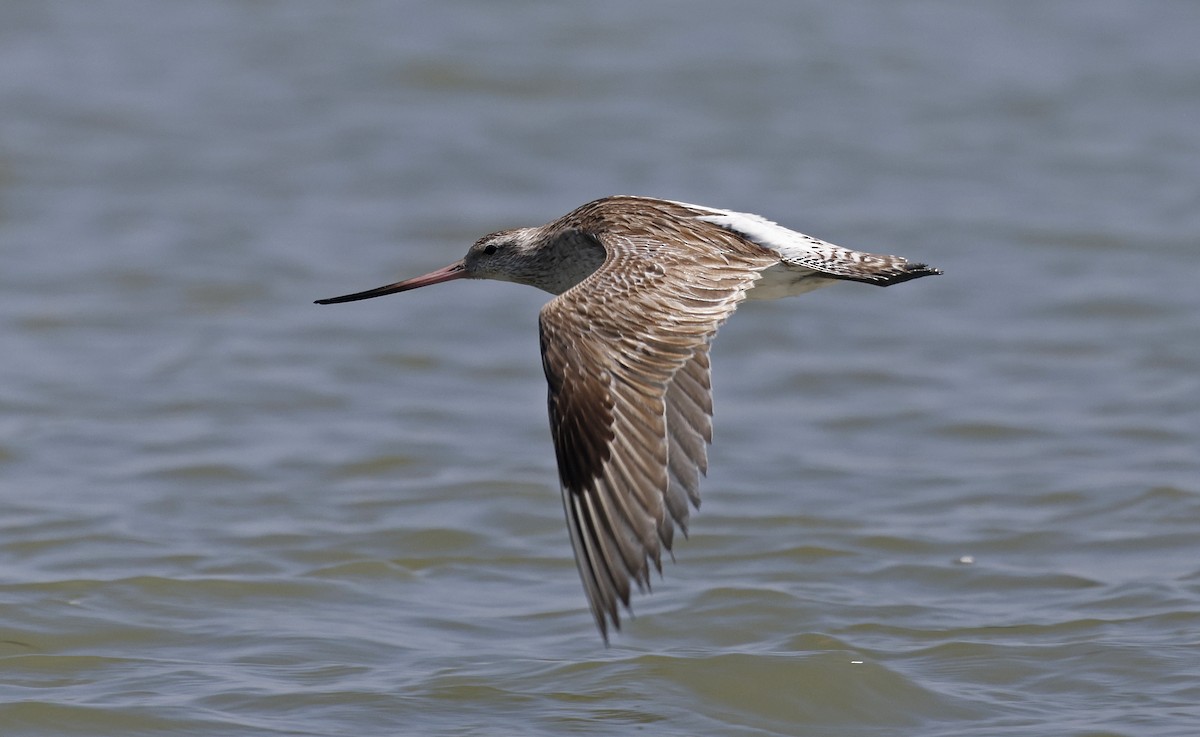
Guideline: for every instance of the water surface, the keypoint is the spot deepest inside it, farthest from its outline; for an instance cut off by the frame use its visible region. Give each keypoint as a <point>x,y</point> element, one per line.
<point>966,505</point>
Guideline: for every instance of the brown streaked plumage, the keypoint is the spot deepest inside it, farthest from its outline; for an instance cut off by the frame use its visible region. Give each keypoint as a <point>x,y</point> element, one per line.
<point>642,284</point>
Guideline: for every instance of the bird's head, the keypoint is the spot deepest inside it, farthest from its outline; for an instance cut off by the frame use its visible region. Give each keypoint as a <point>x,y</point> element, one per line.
<point>521,255</point>
<point>494,256</point>
<point>507,255</point>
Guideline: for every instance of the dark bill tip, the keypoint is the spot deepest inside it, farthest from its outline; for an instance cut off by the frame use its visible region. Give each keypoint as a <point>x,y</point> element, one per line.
<point>456,270</point>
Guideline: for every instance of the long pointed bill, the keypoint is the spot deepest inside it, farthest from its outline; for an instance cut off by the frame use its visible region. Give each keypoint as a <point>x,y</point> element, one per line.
<point>456,270</point>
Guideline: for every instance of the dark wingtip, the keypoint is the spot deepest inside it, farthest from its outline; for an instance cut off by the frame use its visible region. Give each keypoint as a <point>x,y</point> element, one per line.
<point>910,272</point>
<point>886,277</point>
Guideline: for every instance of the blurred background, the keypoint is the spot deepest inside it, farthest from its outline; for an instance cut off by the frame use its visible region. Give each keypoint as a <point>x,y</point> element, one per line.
<point>963,505</point>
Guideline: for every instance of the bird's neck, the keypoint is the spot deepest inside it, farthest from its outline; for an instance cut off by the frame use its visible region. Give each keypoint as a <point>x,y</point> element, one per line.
<point>562,261</point>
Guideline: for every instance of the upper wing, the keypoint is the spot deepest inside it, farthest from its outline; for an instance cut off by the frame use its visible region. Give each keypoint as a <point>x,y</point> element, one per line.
<point>798,249</point>
<point>626,359</point>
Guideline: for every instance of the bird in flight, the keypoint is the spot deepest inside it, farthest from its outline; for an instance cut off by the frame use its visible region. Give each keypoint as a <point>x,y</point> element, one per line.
<point>642,285</point>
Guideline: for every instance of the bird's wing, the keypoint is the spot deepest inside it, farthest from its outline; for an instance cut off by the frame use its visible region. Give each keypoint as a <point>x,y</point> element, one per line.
<point>626,357</point>
<point>798,249</point>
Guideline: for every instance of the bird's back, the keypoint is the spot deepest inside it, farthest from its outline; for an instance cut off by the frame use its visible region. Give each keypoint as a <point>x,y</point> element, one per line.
<point>789,262</point>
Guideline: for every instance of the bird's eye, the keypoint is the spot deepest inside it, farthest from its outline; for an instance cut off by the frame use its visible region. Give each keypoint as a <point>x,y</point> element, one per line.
<point>489,249</point>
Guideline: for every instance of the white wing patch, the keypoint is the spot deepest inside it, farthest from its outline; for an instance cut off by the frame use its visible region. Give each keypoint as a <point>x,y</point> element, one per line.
<point>806,263</point>
<point>789,244</point>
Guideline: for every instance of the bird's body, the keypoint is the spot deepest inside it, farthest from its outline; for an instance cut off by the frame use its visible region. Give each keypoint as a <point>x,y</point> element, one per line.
<point>643,284</point>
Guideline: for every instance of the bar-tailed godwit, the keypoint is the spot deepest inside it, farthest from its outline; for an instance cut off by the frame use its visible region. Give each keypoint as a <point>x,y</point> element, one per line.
<point>642,284</point>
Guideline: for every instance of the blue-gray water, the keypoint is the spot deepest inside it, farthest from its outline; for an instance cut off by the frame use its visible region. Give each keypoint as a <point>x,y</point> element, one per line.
<point>967,505</point>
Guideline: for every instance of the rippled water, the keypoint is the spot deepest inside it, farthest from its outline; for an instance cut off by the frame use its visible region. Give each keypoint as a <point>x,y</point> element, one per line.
<point>965,505</point>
